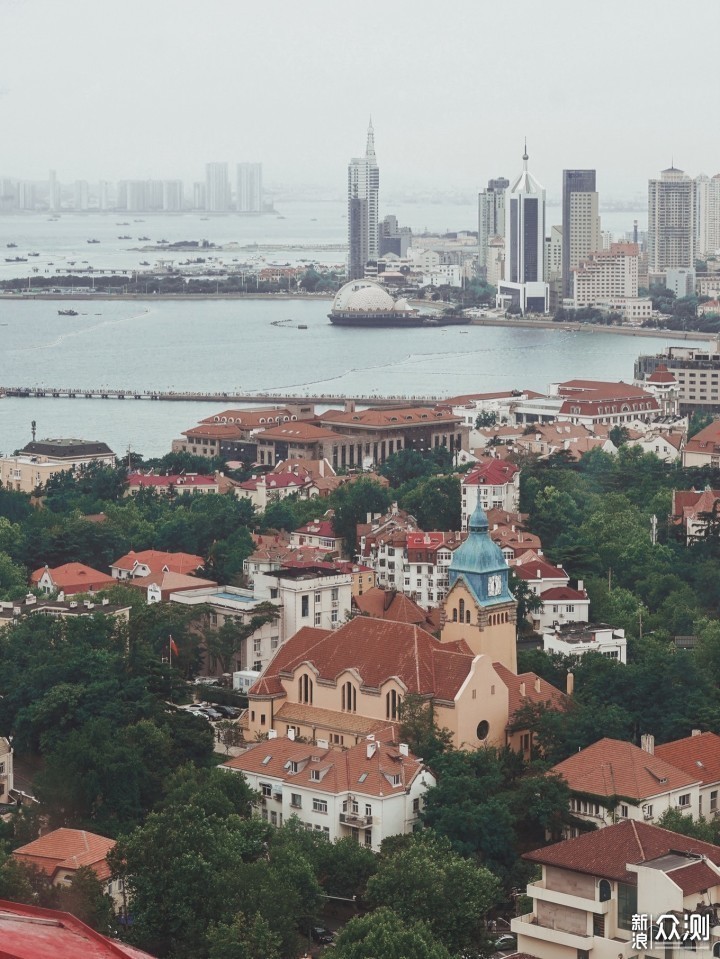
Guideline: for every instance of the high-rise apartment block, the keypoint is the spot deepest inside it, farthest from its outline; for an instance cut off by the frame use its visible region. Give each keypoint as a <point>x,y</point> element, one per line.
<point>217,188</point>
<point>524,288</point>
<point>249,191</point>
<point>491,217</point>
<point>363,196</point>
<point>608,279</point>
<point>580,222</point>
<point>53,192</point>
<point>172,196</point>
<point>707,217</point>
<point>671,221</point>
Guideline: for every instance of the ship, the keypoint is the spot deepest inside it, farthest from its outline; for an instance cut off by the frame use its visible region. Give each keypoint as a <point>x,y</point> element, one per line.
<point>67,312</point>
<point>366,303</point>
<point>93,241</point>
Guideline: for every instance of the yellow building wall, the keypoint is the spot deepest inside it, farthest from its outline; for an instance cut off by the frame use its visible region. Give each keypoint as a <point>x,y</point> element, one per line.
<point>490,632</point>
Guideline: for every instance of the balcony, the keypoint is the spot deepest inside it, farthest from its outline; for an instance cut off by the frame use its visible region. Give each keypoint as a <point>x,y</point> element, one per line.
<point>527,925</point>
<point>355,820</point>
<point>537,891</point>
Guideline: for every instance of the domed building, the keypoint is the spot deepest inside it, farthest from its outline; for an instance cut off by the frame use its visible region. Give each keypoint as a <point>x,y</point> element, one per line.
<point>479,607</point>
<point>366,303</point>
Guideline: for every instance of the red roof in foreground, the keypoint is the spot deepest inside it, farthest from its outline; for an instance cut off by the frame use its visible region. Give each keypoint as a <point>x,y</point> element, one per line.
<point>74,578</point>
<point>493,473</point>
<point>28,932</point>
<point>699,756</point>
<point>607,852</point>
<point>156,561</point>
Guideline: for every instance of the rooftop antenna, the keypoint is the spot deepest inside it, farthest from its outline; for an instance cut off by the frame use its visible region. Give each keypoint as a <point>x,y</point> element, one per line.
<point>33,426</point>
<point>525,155</point>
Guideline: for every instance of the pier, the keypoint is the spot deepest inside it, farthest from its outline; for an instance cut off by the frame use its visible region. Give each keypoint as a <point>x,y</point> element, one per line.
<point>105,393</point>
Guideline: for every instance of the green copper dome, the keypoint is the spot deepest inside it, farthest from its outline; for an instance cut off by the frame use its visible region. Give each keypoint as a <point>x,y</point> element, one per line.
<point>481,564</point>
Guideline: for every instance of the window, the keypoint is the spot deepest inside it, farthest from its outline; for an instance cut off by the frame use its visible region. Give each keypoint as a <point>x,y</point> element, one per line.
<point>305,689</point>
<point>256,646</point>
<point>274,642</point>
<point>461,604</point>
<point>627,905</point>
<point>320,805</point>
<point>318,597</point>
<point>305,605</point>
<point>623,811</point>
<point>392,704</point>
<point>335,595</point>
<point>273,818</point>
<point>315,775</point>
<point>368,810</point>
<point>349,698</point>
<point>296,800</point>
<point>266,789</point>
<point>368,837</point>
<point>318,619</point>
<point>416,806</point>
<point>684,800</point>
<point>355,807</point>
<point>483,729</point>
<point>714,800</point>
<point>604,890</point>
<point>334,616</point>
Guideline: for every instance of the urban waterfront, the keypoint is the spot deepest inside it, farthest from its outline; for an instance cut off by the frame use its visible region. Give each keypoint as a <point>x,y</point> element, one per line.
<point>255,345</point>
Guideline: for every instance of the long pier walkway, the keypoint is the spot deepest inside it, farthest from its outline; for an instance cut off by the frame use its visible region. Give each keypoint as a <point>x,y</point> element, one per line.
<point>105,393</point>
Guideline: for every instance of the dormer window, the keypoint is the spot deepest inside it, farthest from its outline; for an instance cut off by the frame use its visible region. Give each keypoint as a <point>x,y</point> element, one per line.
<point>315,775</point>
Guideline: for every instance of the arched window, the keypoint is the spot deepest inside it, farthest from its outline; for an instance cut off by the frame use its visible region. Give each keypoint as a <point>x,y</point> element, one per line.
<point>467,615</point>
<point>305,689</point>
<point>455,615</point>
<point>349,697</point>
<point>605,890</point>
<point>392,704</point>
<point>462,610</point>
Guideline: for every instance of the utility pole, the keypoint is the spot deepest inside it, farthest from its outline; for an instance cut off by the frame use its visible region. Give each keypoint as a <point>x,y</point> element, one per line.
<point>653,529</point>
<point>610,580</point>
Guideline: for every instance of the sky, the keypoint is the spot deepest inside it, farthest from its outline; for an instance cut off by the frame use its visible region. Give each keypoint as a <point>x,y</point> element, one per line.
<point>156,88</point>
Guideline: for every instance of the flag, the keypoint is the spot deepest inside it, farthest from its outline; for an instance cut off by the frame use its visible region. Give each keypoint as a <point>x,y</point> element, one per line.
<point>173,647</point>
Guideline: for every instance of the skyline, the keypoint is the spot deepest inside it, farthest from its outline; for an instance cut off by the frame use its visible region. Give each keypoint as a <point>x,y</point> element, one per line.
<point>160,98</point>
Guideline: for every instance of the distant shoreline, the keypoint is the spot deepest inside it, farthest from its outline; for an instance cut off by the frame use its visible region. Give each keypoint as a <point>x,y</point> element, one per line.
<point>590,328</point>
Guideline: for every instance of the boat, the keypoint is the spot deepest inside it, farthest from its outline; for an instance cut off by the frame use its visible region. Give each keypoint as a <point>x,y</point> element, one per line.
<point>302,326</point>
<point>15,259</point>
<point>93,241</point>
<point>144,263</point>
<point>67,312</point>
<point>163,241</point>
<point>33,254</point>
<point>11,246</point>
<point>143,238</point>
<point>124,238</point>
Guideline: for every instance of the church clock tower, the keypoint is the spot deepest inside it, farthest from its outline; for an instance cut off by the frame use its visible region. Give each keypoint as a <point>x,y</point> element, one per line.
<point>479,606</point>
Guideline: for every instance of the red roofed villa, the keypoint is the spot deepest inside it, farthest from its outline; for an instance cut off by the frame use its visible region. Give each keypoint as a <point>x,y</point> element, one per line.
<point>70,578</point>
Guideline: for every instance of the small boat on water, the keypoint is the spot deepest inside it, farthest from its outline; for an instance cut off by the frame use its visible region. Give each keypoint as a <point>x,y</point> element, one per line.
<point>15,259</point>
<point>93,241</point>
<point>143,238</point>
<point>67,313</point>
<point>11,246</point>
<point>144,263</point>
<point>124,238</point>
<point>33,254</point>
<point>302,326</point>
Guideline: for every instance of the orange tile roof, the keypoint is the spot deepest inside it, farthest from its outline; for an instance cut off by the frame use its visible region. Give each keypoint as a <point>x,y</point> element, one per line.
<point>612,767</point>
<point>698,756</point>
<point>377,650</point>
<point>247,419</point>
<point>298,432</point>
<point>389,418</point>
<point>527,688</point>
<point>67,849</point>
<point>75,578</point>
<point>157,560</point>
<point>172,582</point>
<point>493,473</point>
<point>606,852</point>
<point>389,604</point>
<point>343,769</point>
<point>352,723</point>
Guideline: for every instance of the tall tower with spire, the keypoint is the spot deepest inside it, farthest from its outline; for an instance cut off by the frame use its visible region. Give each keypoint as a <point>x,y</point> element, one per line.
<point>524,286</point>
<point>363,195</point>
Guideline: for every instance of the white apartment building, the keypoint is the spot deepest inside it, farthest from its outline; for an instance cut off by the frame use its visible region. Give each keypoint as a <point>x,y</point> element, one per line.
<point>697,755</point>
<point>217,188</point>
<point>606,276</point>
<point>593,885</point>
<point>494,485</point>
<point>708,214</point>
<point>446,274</point>
<point>370,791</point>
<point>249,192</point>
<point>6,770</point>
<point>426,565</point>
<point>561,603</point>
<point>577,639</point>
<point>671,221</point>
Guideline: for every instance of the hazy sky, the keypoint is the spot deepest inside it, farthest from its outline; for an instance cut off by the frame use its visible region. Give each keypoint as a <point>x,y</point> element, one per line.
<point>136,88</point>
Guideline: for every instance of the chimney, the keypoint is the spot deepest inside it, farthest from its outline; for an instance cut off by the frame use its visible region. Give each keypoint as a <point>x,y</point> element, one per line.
<point>570,683</point>
<point>537,684</point>
<point>371,747</point>
<point>290,733</point>
<point>272,733</point>
<point>403,749</point>
<point>581,585</point>
<point>538,574</point>
<point>696,732</point>
<point>522,689</point>
<point>647,742</point>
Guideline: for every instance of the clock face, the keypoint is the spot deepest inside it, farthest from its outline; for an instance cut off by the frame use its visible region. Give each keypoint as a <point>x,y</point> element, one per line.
<point>494,585</point>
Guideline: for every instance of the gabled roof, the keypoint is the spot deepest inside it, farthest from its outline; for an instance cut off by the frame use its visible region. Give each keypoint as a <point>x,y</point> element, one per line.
<point>156,561</point>
<point>389,604</point>
<point>531,569</point>
<point>377,650</point>
<point>492,473</point>
<point>564,592</point>
<point>67,849</point>
<point>75,577</point>
<point>612,767</point>
<point>401,416</point>
<point>698,756</point>
<point>298,432</point>
<point>323,527</point>
<point>606,852</point>
<point>169,581</point>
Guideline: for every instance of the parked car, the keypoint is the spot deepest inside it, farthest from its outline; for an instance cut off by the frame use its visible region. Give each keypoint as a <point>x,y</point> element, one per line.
<point>228,712</point>
<point>211,713</point>
<point>321,934</point>
<point>506,943</point>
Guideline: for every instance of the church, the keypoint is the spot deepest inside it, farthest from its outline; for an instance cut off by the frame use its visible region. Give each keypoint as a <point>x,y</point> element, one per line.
<point>343,685</point>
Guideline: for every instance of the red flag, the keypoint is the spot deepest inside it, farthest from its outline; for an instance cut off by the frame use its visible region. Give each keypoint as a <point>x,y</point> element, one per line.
<point>173,647</point>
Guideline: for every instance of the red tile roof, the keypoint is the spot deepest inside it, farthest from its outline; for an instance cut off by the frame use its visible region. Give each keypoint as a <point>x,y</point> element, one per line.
<point>156,561</point>
<point>563,592</point>
<point>528,688</point>
<point>388,604</point>
<point>29,932</point>
<point>492,473</point>
<point>299,432</point>
<point>183,479</point>
<point>389,418</point>
<point>698,756</point>
<point>612,767</point>
<point>67,849</point>
<point>698,877</point>
<point>249,419</point>
<point>607,852</point>
<point>343,769</point>
<point>537,569</point>
<point>376,650</point>
<point>323,527</point>
<point>75,578</point>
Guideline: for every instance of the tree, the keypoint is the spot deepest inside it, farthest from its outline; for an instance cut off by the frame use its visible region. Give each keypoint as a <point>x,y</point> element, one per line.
<point>224,643</point>
<point>420,730</point>
<point>619,435</point>
<point>426,871</point>
<point>384,933</point>
<point>352,502</point>
<point>241,939</point>
<point>485,419</point>
<point>700,828</point>
<point>434,502</point>
<point>527,601</point>
<point>698,422</point>
<point>86,898</point>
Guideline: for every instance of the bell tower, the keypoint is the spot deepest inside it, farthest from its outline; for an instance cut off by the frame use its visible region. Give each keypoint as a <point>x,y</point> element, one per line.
<point>479,606</point>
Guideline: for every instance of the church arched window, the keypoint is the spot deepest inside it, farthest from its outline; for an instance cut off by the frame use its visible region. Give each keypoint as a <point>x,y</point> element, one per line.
<point>455,615</point>
<point>462,610</point>
<point>392,704</point>
<point>305,689</point>
<point>467,615</point>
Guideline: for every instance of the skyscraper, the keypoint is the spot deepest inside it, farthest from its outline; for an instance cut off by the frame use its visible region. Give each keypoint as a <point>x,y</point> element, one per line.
<point>671,221</point>
<point>363,193</point>
<point>491,216</point>
<point>53,192</point>
<point>707,219</point>
<point>217,188</point>
<point>172,195</point>
<point>524,288</point>
<point>249,188</point>
<point>580,222</point>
